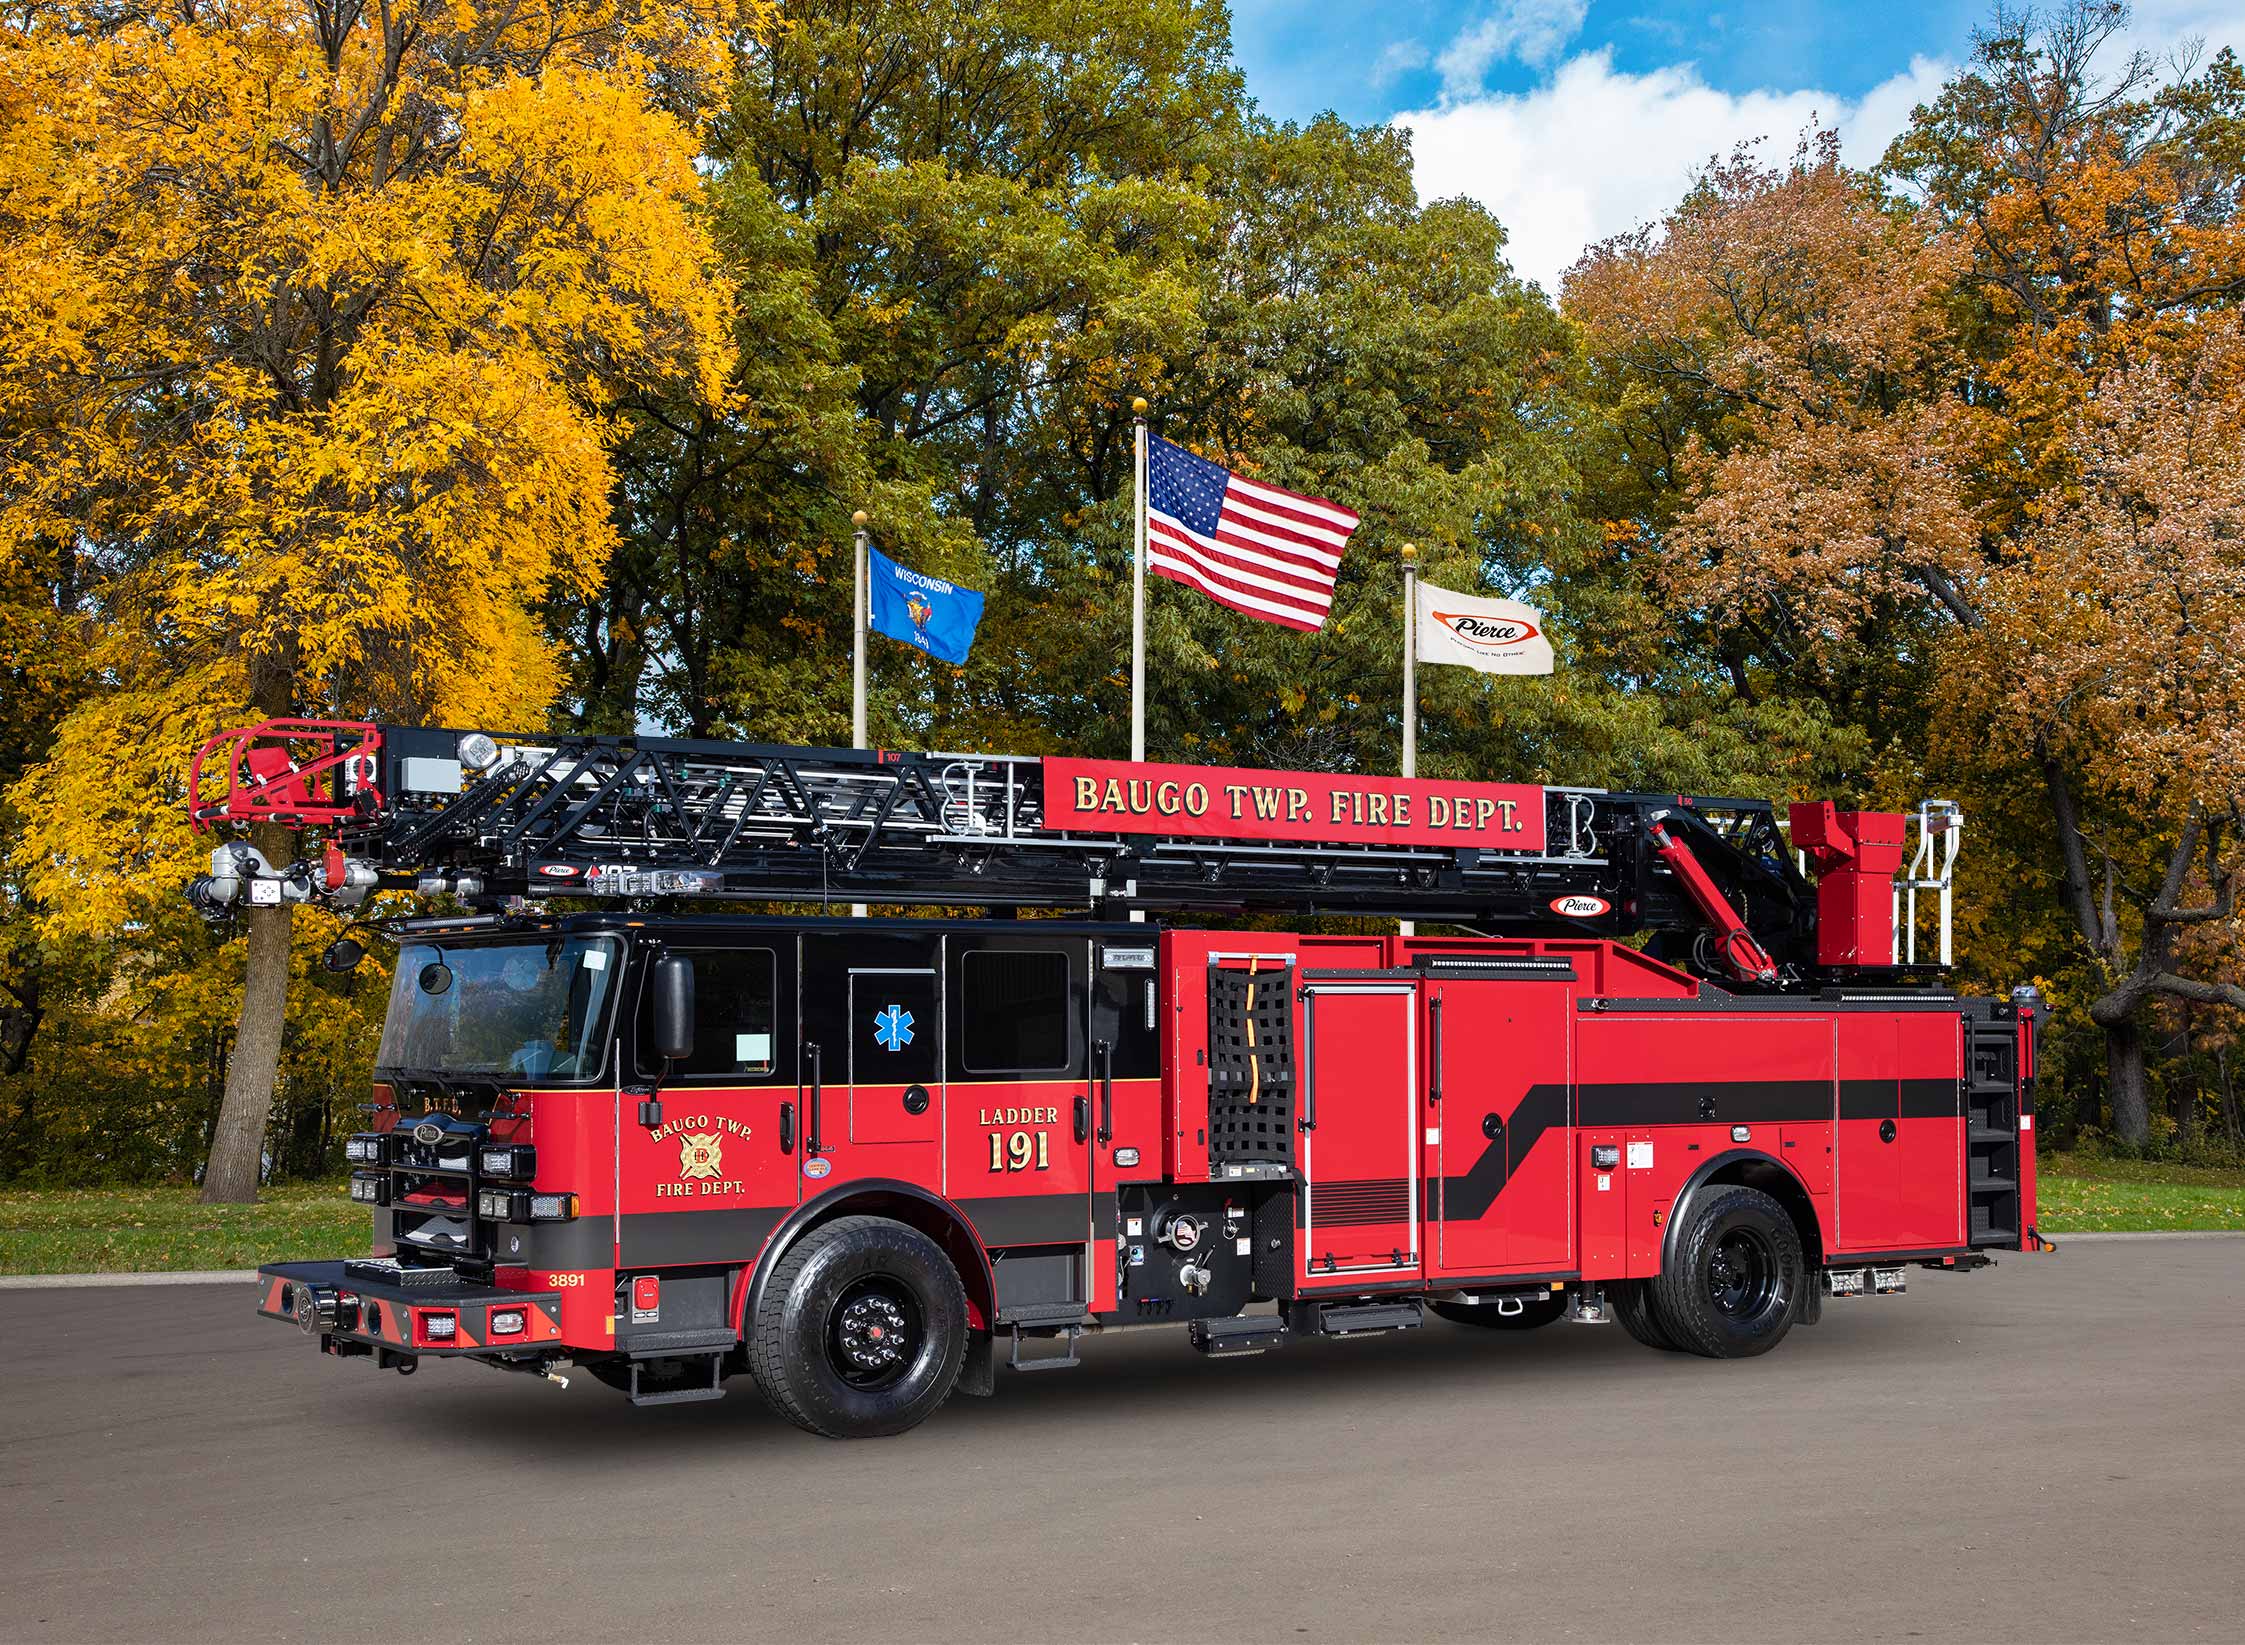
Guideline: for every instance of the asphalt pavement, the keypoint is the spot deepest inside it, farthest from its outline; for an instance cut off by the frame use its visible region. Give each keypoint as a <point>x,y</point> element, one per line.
<point>2051,1451</point>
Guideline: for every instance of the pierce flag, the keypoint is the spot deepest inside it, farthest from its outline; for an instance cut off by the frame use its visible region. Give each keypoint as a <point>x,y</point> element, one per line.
<point>937,617</point>
<point>1494,636</point>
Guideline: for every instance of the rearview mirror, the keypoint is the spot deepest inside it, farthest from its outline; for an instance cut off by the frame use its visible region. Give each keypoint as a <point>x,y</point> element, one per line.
<point>673,983</point>
<point>341,955</point>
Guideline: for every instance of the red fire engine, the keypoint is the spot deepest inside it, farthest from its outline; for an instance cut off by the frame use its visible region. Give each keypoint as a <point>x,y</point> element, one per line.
<point>863,1160</point>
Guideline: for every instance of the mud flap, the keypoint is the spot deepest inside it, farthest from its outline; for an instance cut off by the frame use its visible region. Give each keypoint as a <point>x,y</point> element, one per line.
<point>978,1373</point>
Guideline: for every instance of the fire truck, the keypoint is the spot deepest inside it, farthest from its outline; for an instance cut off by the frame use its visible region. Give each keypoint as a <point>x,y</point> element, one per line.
<point>659,1107</point>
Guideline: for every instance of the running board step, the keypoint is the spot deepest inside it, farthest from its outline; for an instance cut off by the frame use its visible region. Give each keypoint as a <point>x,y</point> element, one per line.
<point>1348,1319</point>
<point>681,1396</point>
<point>1050,1362</point>
<point>1241,1334</point>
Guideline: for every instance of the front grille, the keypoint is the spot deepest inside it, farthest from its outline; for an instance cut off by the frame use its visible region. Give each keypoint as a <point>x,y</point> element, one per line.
<point>432,1198</point>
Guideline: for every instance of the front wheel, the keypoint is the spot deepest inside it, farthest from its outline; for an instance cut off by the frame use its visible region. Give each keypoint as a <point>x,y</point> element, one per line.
<point>862,1329</point>
<point>1736,1278</point>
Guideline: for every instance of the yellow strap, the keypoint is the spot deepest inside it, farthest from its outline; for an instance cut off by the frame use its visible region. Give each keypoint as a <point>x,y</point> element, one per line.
<point>1254,1058</point>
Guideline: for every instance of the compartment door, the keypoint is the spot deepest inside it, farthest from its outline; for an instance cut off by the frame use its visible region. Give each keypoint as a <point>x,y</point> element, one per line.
<point>1502,1190</point>
<point>1360,1129</point>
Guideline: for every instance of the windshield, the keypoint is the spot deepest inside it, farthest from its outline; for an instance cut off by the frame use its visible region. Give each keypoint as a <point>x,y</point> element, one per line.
<point>534,1010</point>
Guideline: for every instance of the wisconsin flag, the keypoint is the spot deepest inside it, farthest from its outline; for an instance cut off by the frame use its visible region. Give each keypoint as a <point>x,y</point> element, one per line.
<point>1494,636</point>
<point>937,617</point>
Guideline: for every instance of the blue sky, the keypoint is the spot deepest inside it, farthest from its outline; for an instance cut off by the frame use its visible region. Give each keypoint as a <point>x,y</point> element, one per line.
<point>1576,119</point>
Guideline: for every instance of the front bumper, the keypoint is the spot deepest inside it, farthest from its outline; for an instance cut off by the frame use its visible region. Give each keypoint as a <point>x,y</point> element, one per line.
<point>375,1309</point>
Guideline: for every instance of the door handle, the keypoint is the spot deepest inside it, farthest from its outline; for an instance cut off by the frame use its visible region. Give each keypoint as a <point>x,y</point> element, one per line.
<point>1308,1121</point>
<point>1083,1119</point>
<point>1434,1086</point>
<point>787,1128</point>
<point>1106,1053</point>
<point>814,1132</point>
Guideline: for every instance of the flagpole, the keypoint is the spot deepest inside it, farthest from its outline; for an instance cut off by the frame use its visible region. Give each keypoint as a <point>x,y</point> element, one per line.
<point>859,593</point>
<point>1138,584</point>
<point>1410,928</point>
<point>857,631</point>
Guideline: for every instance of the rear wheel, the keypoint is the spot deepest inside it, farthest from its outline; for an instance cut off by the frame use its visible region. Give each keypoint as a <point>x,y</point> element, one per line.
<point>1633,1306</point>
<point>1736,1279</point>
<point>861,1331</point>
<point>1529,1313</point>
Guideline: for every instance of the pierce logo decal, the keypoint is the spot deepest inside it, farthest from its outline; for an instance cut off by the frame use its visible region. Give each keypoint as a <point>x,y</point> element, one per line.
<point>1486,633</point>
<point>1581,907</point>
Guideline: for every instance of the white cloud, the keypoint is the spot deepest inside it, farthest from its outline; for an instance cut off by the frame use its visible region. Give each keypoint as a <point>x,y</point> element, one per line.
<point>1593,152</point>
<point>1398,57</point>
<point>1533,31</point>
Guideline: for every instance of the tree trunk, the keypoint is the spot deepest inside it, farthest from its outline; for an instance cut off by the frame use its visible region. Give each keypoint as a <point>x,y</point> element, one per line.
<point>2183,1089</point>
<point>2124,1075</point>
<point>2229,1096</point>
<point>237,1147</point>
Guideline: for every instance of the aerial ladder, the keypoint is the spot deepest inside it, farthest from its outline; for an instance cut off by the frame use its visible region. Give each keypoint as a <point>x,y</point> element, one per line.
<point>497,819</point>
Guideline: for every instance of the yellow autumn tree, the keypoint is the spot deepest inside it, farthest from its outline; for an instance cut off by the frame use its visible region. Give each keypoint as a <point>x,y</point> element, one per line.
<point>312,317</point>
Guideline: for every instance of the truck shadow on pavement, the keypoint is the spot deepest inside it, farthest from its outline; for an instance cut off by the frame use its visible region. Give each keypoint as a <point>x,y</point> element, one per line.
<point>1135,1375</point>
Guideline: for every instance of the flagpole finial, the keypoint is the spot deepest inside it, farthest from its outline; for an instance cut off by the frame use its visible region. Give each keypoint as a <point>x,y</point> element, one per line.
<point>1138,406</point>
<point>1410,551</point>
<point>859,518</point>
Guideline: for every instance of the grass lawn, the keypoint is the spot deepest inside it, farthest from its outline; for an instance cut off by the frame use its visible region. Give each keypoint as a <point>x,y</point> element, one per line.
<point>2081,1194</point>
<point>142,1230</point>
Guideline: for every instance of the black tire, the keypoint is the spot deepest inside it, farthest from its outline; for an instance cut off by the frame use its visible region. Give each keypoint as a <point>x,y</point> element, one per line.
<point>1632,1301</point>
<point>1736,1278</point>
<point>862,1329</point>
<point>1535,1312</point>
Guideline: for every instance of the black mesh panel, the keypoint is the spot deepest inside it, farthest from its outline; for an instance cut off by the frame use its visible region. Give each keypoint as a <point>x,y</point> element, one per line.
<point>1250,1066</point>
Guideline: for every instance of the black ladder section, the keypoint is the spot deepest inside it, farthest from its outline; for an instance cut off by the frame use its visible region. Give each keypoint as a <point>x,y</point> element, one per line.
<point>1992,1141</point>
<point>1250,1072</point>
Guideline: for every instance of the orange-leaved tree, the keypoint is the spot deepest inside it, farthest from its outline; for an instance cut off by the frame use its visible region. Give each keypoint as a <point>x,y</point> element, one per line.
<point>2112,658</point>
<point>312,317</point>
<point>1879,425</point>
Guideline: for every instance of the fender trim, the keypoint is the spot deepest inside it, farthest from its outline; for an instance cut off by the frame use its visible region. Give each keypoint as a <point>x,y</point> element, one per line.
<point>1698,1180</point>
<point>835,1201</point>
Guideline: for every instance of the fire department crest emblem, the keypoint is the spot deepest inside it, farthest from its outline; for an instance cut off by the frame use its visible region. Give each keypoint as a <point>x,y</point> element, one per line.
<point>698,1155</point>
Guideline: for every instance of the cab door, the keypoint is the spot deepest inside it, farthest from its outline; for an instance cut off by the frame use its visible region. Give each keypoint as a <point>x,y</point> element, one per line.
<point>715,1172</point>
<point>1018,1007</point>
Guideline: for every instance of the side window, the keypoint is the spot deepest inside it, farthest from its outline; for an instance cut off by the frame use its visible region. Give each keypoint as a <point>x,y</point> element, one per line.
<point>1014,1012</point>
<point>735,1016</point>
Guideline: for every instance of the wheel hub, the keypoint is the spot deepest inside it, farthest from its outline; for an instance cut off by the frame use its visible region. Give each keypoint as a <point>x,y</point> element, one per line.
<point>1741,1274</point>
<point>872,1334</point>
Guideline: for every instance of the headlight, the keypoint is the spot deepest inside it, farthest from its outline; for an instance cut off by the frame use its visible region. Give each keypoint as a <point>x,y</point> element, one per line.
<point>370,1189</point>
<point>365,1149</point>
<point>499,1205</point>
<point>517,1162</point>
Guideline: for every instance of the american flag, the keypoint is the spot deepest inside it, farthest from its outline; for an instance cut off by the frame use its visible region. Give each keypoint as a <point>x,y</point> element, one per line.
<point>1270,553</point>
